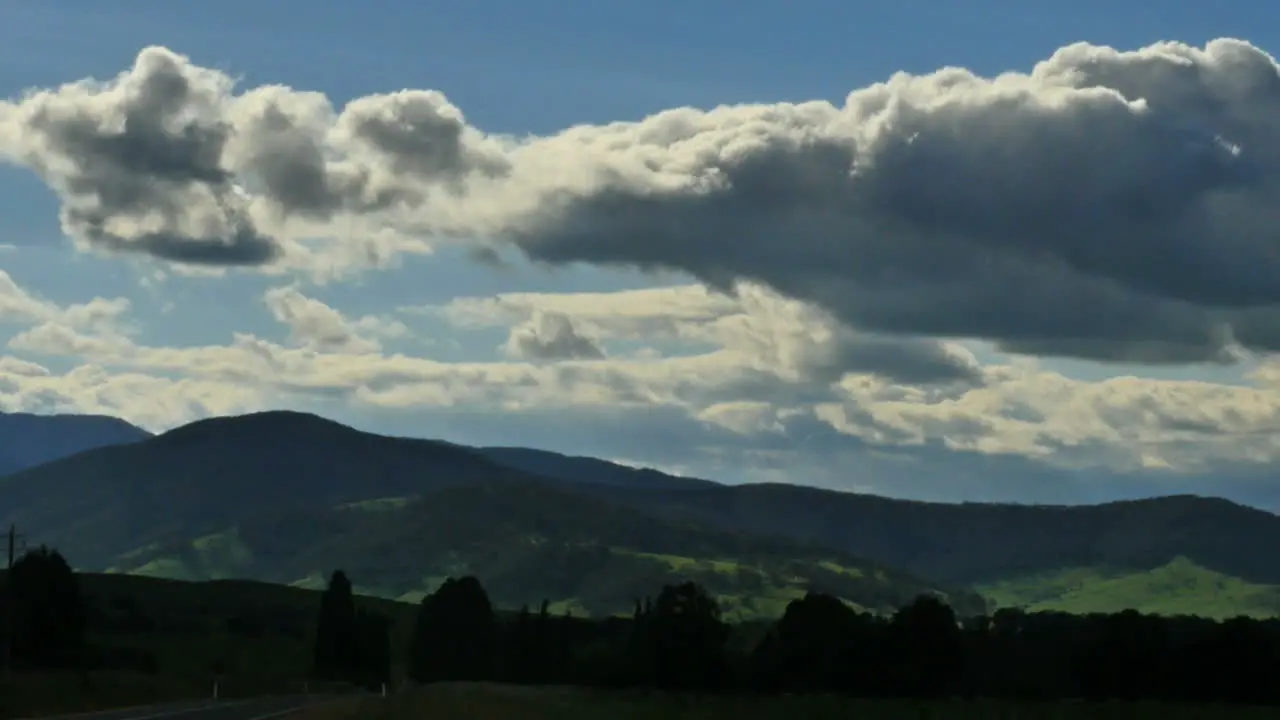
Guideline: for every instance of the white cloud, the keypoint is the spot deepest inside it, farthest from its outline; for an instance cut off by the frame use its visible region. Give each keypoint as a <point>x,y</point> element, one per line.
<point>770,332</point>
<point>316,326</point>
<point>77,329</point>
<point>17,304</point>
<point>551,336</point>
<point>150,401</point>
<point>744,386</point>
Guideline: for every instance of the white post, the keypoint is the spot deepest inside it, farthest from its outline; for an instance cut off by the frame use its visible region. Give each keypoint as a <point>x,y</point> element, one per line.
<point>384,689</point>
<point>215,689</point>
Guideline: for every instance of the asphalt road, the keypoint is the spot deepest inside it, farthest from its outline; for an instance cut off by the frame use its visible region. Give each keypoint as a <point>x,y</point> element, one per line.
<point>255,709</point>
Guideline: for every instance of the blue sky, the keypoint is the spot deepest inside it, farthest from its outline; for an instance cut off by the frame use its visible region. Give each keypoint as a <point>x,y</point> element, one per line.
<point>429,343</point>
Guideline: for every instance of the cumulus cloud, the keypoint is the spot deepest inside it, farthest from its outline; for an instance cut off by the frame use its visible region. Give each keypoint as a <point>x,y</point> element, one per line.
<point>138,162</point>
<point>316,326</point>
<point>76,329</point>
<point>798,342</point>
<point>1108,204</point>
<point>16,304</point>
<point>551,336</point>
<point>156,403</point>
<point>736,405</point>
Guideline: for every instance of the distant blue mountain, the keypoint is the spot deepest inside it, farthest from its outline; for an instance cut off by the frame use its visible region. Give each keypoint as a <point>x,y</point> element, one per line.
<point>27,440</point>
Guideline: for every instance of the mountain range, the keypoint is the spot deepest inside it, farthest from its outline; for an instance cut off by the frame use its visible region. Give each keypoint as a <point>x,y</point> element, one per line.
<point>285,497</point>
<point>27,440</point>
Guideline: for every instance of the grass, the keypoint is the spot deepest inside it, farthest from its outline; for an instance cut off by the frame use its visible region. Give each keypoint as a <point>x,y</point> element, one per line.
<point>484,701</point>
<point>1178,588</point>
<point>216,556</point>
<point>745,590</point>
<point>42,695</point>
<point>380,504</point>
<point>683,564</point>
<point>223,555</point>
<point>769,594</point>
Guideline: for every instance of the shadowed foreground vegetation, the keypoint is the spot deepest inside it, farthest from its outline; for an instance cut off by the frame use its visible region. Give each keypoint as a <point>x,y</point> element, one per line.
<point>93,642</point>
<point>468,701</point>
<point>148,640</point>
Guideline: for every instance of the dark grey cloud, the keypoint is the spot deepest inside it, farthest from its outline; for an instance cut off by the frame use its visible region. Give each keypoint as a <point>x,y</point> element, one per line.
<point>1109,206</point>
<point>909,361</point>
<point>380,152</point>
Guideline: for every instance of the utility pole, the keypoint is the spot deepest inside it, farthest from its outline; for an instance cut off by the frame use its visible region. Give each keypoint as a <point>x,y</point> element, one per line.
<point>10,605</point>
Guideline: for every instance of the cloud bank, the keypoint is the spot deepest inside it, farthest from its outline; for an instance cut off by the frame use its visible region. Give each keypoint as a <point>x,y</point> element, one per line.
<point>732,387</point>
<point>1111,205</point>
<point>845,262</point>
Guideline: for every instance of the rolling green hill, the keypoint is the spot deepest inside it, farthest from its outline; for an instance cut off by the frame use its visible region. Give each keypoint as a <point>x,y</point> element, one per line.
<point>527,542</point>
<point>204,477</point>
<point>287,496</point>
<point>1179,588</point>
<point>985,545</point>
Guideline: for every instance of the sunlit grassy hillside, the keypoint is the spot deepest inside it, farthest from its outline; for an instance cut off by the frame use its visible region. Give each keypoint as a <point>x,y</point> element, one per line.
<point>1179,588</point>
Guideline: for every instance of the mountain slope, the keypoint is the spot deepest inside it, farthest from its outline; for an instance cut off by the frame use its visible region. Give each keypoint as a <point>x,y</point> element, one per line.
<point>1179,588</point>
<point>589,470</point>
<point>528,541</point>
<point>998,544</point>
<point>982,543</point>
<point>204,476</point>
<point>286,497</point>
<point>27,440</point>
<point>125,505</point>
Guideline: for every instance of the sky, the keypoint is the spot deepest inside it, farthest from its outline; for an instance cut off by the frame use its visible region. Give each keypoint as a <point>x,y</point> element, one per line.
<point>953,251</point>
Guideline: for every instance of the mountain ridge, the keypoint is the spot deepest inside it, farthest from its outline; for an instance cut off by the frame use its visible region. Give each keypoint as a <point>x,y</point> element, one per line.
<point>196,478</point>
<point>31,439</point>
<point>285,484</point>
<point>1000,538</point>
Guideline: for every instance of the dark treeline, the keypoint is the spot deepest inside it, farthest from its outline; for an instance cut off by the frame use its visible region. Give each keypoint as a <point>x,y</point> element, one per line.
<point>42,614</point>
<point>351,644</point>
<point>677,641</point>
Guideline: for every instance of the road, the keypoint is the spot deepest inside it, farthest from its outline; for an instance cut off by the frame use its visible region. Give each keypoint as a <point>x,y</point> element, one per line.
<point>255,709</point>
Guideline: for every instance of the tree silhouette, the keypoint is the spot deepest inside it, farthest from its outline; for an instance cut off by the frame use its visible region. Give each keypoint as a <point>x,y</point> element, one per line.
<point>455,636</point>
<point>679,641</point>
<point>930,653</point>
<point>811,648</point>
<point>337,644</point>
<point>49,620</point>
<point>523,656</point>
<point>375,649</point>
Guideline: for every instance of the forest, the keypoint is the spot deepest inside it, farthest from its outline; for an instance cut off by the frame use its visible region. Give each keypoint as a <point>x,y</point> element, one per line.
<point>677,642</point>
